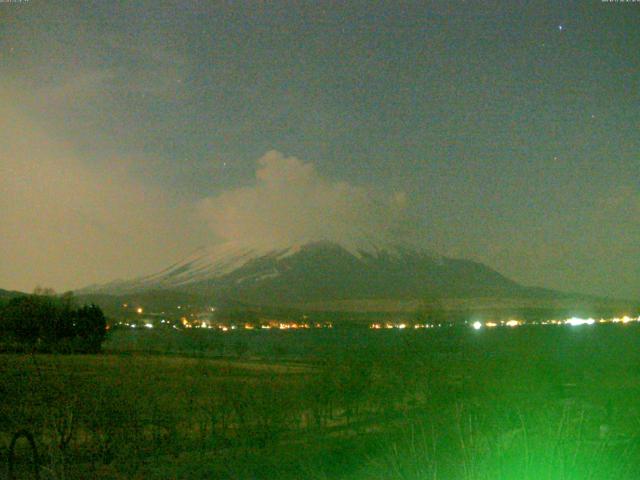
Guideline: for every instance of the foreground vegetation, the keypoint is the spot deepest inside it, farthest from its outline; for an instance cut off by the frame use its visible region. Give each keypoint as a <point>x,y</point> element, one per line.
<point>536,403</point>
<point>45,322</point>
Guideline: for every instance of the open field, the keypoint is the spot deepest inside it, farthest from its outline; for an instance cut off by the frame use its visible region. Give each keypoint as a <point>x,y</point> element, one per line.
<point>526,403</point>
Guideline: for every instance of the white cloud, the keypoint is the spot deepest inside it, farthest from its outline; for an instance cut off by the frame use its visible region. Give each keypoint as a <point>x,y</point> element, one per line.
<point>291,203</point>
<point>66,224</point>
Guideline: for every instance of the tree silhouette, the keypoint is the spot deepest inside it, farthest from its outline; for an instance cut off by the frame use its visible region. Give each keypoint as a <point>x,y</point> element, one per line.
<point>46,322</point>
<point>91,326</point>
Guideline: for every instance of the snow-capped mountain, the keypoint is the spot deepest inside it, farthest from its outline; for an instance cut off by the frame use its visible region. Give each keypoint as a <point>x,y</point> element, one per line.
<point>319,271</point>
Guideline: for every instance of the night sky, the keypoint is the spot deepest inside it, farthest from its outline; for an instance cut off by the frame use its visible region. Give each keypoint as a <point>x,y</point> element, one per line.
<point>505,132</point>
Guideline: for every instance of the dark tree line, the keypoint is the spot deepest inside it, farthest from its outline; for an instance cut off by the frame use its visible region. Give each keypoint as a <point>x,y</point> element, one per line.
<point>45,322</point>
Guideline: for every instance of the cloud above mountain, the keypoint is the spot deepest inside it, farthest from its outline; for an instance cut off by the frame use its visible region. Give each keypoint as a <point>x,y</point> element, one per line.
<point>290,202</point>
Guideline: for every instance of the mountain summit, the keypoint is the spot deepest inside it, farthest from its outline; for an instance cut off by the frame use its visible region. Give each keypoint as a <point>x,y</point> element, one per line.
<point>320,271</point>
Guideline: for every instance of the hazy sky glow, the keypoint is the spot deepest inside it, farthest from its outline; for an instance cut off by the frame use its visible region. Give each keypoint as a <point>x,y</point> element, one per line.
<point>129,135</point>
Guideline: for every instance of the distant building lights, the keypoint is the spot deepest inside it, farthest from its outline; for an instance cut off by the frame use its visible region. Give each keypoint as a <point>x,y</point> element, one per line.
<point>575,321</point>
<point>477,325</point>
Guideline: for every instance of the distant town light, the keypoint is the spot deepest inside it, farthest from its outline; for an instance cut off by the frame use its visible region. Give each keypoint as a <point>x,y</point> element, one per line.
<point>575,321</point>
<point>477,325</point>
<point>139,310</point>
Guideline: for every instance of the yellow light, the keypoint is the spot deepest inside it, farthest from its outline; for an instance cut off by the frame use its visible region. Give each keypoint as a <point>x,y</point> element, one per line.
<point>139,310</point>
<point>512,323</point>
<point>491,324</point>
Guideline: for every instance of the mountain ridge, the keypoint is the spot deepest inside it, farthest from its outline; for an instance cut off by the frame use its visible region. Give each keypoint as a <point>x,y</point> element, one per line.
<point>317,271</point>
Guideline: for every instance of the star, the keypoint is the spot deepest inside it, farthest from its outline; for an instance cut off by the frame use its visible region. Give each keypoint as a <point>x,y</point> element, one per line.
<point>560,27</point>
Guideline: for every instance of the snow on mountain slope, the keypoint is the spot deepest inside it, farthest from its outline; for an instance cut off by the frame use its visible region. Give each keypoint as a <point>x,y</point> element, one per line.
<point>218,261</point>
<point>318,271</point>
